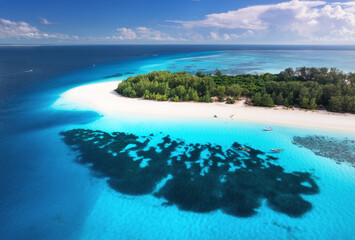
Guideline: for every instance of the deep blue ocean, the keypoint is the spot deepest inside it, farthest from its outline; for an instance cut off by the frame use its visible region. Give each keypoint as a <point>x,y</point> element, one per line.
<point>76,174</point>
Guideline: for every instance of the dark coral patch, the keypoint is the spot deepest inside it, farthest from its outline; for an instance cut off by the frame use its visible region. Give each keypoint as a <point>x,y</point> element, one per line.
<point>194,177</point>
<point>340,150</point>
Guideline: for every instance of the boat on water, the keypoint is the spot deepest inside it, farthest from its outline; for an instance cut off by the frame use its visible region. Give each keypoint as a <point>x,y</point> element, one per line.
<point>244,149</point>
<point>268,129</point>
<point>277,150</point>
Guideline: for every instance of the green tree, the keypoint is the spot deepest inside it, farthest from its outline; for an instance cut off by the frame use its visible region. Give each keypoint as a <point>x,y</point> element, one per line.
<point>175,98</point>
<point>304,87</point>
<point>146,94</point>
<point>234,90</point>
<point>335,104</point>
<point>267,100</point>
<point>218,72</point>
<point>200,74</point>
<point>159,97</point>
<point>312,104</point>
<point>279,99</point>
<point>304,102</point>
<point>220,92</point>
<point>290,101</point>
<point>180,91</point>
<point>192,95</point>
<point>207,97</point>
<point>230,100</point>
<point>264,100</point>
<point>256,99</point>
<point>129,92</point>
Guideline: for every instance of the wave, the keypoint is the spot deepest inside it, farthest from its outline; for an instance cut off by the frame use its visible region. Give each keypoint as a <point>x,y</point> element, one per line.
<point>27,71</point>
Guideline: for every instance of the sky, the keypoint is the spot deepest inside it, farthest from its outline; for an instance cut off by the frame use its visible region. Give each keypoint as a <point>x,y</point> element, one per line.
<point>177,22</point>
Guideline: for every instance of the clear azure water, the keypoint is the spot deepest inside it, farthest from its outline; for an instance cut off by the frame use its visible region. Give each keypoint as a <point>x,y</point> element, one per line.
<point>46,194</point>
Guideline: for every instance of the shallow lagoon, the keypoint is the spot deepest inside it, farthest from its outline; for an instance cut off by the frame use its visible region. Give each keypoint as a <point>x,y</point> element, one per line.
<point>50,195</point>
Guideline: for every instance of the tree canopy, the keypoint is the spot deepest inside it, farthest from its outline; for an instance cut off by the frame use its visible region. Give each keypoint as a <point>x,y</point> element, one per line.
<point>309,88</point>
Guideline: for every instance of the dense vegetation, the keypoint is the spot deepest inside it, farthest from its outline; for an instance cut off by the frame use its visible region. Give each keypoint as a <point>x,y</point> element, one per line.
<point>310,88</point>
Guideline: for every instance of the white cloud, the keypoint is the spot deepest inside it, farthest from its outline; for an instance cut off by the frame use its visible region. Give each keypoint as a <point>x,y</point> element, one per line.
<point>305,19</point>
<point>141,33</point>
<point>45,21</point>
<point>126,33</point>
<point>214,36</point>
<point>252,17</point>
<point>230,36</point>
<point>10,29</point>
<point>293,21</point>
<point>22,30</point>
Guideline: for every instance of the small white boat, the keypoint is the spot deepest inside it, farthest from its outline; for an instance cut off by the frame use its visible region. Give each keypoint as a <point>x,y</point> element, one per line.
<point>268,129</point>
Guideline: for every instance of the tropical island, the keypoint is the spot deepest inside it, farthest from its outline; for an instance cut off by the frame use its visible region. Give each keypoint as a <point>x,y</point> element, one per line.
<point>305,97</point>
<point>307,88</point>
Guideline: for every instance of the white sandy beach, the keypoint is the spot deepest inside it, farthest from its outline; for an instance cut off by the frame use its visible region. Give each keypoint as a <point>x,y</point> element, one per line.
<point>102,98</point>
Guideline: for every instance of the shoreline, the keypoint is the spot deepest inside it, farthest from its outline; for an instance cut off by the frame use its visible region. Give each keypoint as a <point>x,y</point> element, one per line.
<point>102,98</point>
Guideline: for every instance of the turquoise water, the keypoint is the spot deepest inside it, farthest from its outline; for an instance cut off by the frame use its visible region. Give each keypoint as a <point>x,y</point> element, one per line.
<point>143,217</point>
<point>256,62</point>
<point>51,194</point>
